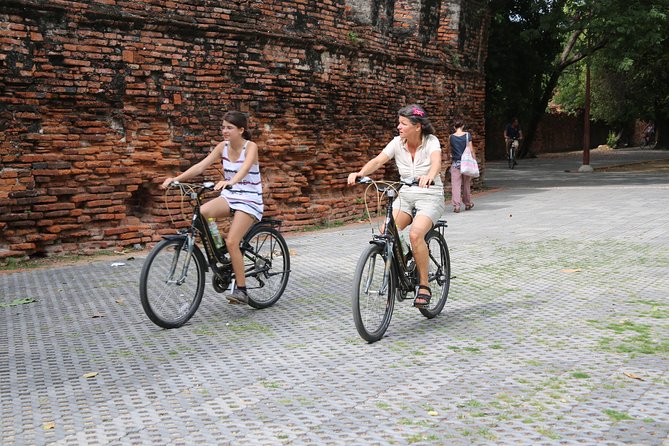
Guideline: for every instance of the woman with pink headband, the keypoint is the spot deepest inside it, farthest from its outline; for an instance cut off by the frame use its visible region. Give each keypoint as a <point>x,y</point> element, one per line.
<point>417,153</point>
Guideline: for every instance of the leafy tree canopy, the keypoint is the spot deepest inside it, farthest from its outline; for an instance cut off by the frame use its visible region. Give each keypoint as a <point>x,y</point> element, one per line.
<point>533,44</point>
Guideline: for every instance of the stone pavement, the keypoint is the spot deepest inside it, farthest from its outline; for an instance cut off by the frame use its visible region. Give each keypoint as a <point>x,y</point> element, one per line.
<point>556,332</point>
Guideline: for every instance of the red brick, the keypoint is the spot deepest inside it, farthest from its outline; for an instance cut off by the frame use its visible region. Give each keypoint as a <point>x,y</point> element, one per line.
<point>106,134</point>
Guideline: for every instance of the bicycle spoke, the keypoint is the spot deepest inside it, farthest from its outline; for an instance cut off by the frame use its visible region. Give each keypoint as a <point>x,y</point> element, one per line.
<point>170,301</point>
<point>267,266</point>
<point>373,295</point>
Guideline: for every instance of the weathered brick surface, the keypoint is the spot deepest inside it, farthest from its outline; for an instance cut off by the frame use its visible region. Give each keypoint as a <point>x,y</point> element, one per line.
<point>99,101</point>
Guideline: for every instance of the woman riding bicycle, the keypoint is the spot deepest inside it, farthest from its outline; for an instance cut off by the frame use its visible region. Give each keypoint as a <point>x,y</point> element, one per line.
<point>243,202</point>
<point>417,153</point>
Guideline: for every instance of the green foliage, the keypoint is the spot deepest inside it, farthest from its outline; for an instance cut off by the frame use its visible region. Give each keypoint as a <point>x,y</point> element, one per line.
<point>629,76</point>
<point>523,41</point>
<point>533,44</point>
<point>612,139</point>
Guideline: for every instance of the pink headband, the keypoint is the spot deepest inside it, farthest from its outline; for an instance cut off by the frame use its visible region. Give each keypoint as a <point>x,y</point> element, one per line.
<point>417,112</point>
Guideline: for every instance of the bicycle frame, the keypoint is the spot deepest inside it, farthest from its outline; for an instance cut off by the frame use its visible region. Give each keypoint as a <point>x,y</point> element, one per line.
<point>396,260</point>
<point>213,255</point>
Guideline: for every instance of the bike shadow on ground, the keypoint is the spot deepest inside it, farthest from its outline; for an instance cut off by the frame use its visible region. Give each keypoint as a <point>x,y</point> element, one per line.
<point>460,317</point>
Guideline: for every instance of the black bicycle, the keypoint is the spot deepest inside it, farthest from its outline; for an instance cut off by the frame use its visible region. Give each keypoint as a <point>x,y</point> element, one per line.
<point>385,273</point>
<point>172,281</point>
<point>513,152</point>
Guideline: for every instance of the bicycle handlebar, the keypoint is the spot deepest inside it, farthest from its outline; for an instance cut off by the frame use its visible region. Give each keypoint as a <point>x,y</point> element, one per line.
<point>402,181</point>
<point>207,185</point>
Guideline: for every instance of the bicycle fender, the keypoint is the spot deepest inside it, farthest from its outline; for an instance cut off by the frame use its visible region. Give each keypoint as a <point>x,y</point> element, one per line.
<point>196,249</point>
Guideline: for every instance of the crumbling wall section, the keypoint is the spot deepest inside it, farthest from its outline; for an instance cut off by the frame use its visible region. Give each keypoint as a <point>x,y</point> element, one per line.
<point>99,101</point>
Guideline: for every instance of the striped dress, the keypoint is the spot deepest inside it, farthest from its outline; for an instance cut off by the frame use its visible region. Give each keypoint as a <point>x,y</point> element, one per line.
<point>246,195</point>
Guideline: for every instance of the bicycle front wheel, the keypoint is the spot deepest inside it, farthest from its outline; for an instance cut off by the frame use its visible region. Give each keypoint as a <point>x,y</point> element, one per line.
<point>374,288</point>
<point>266,265</point>
<point>171,284</point>
<point>439,273</point>
<point>511,157</point>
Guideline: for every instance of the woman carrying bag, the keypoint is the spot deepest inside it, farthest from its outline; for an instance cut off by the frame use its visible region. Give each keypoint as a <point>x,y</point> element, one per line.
<point>463,166</point>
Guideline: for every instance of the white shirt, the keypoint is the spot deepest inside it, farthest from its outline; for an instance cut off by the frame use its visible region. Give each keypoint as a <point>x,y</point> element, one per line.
<point>420,164</point>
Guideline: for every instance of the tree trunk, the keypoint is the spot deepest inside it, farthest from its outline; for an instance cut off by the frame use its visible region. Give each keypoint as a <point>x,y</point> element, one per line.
<point>537,112</point>
<point>662,132</point>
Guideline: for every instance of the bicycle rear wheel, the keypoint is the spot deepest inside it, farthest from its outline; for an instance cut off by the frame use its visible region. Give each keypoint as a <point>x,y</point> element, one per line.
<point>439,273</point>
<point>170,292</point>
<point>267,266</point>
<point>374,289</point>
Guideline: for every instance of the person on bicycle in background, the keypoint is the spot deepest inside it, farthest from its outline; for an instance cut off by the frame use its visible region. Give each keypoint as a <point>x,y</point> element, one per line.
<point>243,202</point>
<point>417,153</point>
<point>649,134</point>
<point>511,132</point>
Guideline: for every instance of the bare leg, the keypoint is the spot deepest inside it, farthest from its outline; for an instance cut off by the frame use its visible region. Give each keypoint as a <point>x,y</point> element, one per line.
<point>216,208</point>
<point>402,219</point>
<point>421,225</point>
<point>241,223</point>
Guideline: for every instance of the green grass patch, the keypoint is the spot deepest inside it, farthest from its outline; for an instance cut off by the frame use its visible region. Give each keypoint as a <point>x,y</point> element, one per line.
<point>615,415</point>
<point>580,375</point>
<point>250,326</point>
<point>270,384</point>
<point>548,433</point>
<point>417,438</point>
<point>621,327</point>
<point>204,331</point>
<point>655,313</point>
<point>17,302</point>
<point>637,344</point>
<point>652,303</point>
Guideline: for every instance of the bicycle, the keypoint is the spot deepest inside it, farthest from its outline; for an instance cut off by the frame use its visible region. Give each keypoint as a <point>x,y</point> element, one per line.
<point>172,280</point>
<point>513,148</point>
<point>385,273</point>
<point>648,139</point>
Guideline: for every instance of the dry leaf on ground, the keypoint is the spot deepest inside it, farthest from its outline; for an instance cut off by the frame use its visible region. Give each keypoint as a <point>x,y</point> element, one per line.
<point>633,376</point>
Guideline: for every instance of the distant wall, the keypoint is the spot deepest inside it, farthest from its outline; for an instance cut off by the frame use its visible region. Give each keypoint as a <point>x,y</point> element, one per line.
<point>99,101</point>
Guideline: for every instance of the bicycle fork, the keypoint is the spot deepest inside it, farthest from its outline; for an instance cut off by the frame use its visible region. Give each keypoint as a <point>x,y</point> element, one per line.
<point>189,240</point>
<point>387,270</point>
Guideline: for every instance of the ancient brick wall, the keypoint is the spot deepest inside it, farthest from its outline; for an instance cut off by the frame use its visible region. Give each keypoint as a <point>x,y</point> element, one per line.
<point>100,100</point>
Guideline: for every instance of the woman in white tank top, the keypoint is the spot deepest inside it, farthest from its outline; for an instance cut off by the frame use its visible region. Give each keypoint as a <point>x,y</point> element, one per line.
<point>244,201</point>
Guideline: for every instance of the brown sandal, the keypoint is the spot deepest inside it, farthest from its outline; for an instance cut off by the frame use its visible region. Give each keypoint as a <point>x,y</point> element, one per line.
<point>424,298</point>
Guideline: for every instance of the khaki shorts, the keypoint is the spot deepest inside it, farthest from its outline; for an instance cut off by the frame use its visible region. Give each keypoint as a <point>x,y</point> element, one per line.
<point>428,202</point>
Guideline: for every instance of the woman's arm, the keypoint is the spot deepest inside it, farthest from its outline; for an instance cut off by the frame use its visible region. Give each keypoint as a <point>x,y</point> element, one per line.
<point>370,167</point>
<point>435,167</point>
<point>197,169</point>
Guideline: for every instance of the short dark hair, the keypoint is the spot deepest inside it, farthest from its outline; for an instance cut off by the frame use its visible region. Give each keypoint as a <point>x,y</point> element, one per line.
<point>417,115</point>
<point>239,120</point>
<point>458,122</point>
